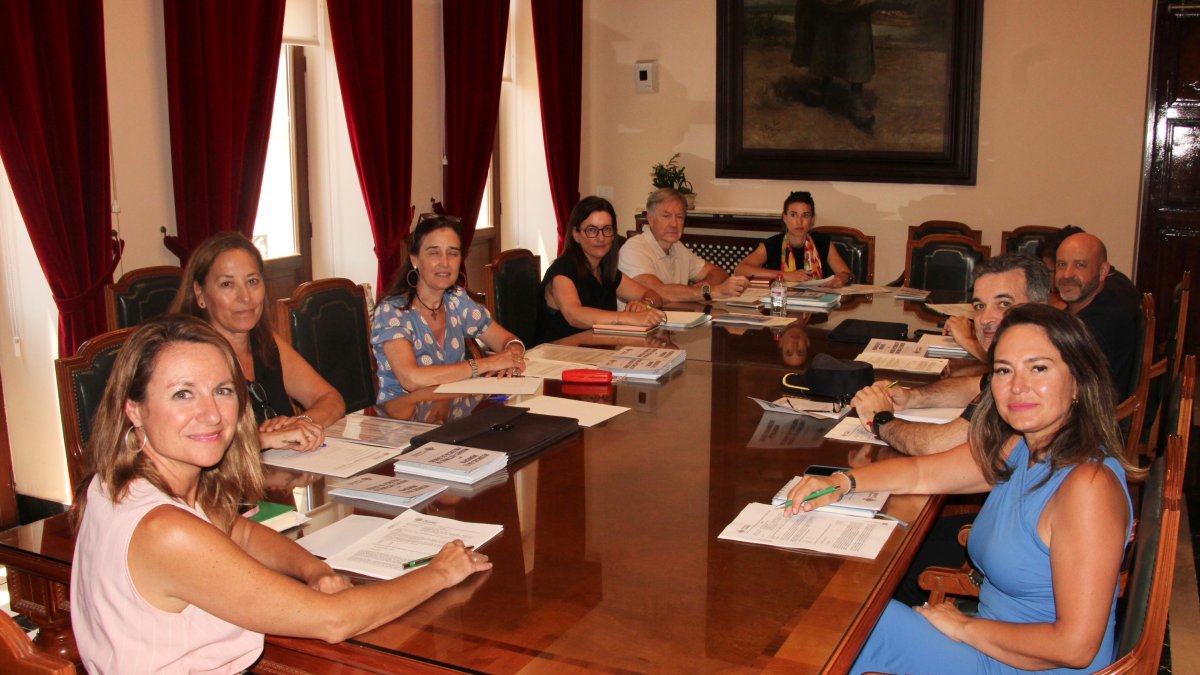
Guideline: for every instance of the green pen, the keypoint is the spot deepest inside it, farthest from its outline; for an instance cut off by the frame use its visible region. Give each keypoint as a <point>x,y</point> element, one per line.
<point>819,493</point>
<point>420,562</point>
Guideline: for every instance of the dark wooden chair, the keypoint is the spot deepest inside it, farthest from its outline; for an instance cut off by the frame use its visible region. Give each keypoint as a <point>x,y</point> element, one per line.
<point>856,248</point>
<point>81,382</point>
<point>140,294</point>
<point>943,262</point>
<point>18,656</point>
<point>1026,239</point>
<point>328,324</point>
<point>1143,350</point>
<point>512,281</point>
<point>917,232</point>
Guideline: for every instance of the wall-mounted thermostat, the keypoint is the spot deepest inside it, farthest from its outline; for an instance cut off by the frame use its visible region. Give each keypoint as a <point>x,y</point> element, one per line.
<point>645,77</point>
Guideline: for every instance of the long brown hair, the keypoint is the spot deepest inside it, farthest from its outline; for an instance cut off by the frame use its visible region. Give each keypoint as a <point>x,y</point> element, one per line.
<point>236,478</point>
<point>573,251</point>
<point>1090,430</point>
<point>426,224</point>
<point>262,340</point>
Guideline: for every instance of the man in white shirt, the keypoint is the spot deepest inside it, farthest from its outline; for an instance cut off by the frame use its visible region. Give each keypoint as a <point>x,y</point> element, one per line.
<point>657,259</point>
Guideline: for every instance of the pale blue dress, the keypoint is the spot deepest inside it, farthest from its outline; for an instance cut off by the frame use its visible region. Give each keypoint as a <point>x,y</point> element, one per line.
<point>1017,587</point>
<point>465,319</point>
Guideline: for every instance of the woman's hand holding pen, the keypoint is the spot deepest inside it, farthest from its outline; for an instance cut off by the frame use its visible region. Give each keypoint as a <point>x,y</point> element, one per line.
<point>799,495</point>
<point>456,562</point>
<point>645,317</point>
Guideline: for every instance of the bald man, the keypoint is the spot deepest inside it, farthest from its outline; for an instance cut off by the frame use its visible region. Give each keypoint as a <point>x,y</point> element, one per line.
<point>1104,299</point>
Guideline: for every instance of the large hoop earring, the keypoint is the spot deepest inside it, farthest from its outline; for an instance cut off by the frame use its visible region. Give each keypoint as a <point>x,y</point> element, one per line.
<point>412,283</point>
<point>129,445</point>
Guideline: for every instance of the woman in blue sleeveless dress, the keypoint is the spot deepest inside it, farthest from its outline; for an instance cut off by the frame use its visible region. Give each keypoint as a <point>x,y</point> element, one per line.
<point>1053,530</point>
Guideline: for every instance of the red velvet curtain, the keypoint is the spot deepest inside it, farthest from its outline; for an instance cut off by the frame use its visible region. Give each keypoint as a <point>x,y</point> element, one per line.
<point>372,43</point>
<point>558,43</point>
<point>54,143</point>
<point>473,38</point>
<point>222,61</point>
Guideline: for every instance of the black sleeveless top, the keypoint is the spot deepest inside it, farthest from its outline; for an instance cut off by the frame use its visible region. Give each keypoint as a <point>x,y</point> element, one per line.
<point>774,246</point>
<point>269,381</point>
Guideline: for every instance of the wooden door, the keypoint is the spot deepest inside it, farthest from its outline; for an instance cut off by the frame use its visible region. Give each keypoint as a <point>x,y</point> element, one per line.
<point>1169,232</point>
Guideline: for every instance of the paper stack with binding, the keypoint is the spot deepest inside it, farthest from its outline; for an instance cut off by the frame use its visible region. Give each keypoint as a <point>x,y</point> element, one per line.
<point>643,363</point>
<point>457,463</point>
<point>392,490</point>
<point>806,299</point>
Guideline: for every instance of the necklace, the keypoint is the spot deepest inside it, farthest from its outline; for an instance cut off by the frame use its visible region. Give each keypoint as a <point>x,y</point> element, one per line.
<point>432,310</point>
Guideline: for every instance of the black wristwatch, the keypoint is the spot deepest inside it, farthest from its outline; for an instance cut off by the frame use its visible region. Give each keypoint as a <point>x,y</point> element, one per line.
<point>881,418</point>
<point>706,291</point>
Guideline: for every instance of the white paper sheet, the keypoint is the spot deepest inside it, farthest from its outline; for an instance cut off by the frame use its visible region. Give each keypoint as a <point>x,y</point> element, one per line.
<point>904,364</point>
<point>409,536</point>
<point>822,532</point>
<point>893,348</point>
<point>337,537</point>
<point>382,431</point>
<point>338,457</point>
<point>492,385</point>
<point>802,406</point>
<point>588,413</point>
<point>552,370</point>
<point>568,354</point>
<point>286,521</point>
<point>681,320</point>
<point>851,430</point>
<point>930,415</point>
<point>783,430</point>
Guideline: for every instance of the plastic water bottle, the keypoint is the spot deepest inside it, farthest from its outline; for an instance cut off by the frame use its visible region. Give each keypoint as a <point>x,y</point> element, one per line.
<point>778,294</point>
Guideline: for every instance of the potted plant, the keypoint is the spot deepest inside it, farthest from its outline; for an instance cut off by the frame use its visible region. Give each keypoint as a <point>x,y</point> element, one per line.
<point>671,175</point>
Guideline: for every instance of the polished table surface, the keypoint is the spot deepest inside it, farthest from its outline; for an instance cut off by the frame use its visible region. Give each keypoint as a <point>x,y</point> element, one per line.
<point>609,559</point>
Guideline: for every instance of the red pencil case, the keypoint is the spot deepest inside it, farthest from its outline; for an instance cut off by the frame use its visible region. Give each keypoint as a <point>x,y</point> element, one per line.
<point>587,376</point>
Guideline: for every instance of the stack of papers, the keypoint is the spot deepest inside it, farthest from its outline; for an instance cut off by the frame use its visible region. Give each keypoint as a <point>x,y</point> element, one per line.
<point>942,346</point>
<point>451,462</point>
<point>893,347</point>
<point>850,430</point>
<point>795,405</point>
<point>337,457</point>
<point>809,300</point>
<point>680,320</point>
<point>857,505</point>
<point>371,430</point>
<point>643,363</point>
<point>387,489</point>
<point>386,550</point>
<point>753,320</point>
<point>903,363</point>
<point>622,329</point>
<point>906,293</point>
<point>812,531</point>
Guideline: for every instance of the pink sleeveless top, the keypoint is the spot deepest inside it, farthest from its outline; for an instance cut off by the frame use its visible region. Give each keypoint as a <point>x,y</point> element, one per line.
<point>116,630</point>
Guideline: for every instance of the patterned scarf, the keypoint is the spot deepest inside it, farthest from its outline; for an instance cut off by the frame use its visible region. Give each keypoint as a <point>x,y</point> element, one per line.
<point>812,261</point>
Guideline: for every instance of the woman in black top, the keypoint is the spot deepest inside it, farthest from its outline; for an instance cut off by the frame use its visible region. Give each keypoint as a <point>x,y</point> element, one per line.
<point>793,252</point>
<point>582,286</point>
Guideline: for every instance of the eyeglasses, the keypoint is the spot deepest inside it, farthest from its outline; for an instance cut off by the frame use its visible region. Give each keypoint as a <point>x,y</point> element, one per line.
<point>591,231</point>
<point>260,397</point>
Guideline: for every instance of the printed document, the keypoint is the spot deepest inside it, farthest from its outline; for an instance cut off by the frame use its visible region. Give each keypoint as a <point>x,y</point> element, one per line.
<point>784,430</point>
<point>850,430</point>
<point>929,415</point>
<point>407,537</point>
<point>381,431</point>
<point>812,531</point>
<point>802,406</point>
<point>336,458</point>
<point>904,364</point>
<point>893,348</point>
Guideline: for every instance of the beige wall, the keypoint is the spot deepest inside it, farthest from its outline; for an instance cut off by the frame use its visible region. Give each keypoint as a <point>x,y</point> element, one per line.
<point>1060,131</point>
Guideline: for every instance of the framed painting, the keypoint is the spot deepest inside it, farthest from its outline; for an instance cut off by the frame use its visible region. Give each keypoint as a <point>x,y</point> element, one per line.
<point>882,91</point>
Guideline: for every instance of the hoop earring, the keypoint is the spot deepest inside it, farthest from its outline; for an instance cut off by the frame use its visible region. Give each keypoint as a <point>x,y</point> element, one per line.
<point>130,445</point>
<point>412,283</point>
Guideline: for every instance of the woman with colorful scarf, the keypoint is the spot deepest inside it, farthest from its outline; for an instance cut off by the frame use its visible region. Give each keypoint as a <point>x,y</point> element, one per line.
<point>793,252</point>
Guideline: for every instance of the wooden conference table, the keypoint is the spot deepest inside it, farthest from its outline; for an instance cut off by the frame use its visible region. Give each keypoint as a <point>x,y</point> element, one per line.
<point>609,559</point>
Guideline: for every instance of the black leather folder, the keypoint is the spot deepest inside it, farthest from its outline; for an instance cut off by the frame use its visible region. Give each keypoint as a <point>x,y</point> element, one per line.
<point>860,331</point>
<point>509,429</point>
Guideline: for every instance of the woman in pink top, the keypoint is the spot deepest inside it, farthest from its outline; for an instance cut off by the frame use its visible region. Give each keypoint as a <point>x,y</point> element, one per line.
<point>166,576</point>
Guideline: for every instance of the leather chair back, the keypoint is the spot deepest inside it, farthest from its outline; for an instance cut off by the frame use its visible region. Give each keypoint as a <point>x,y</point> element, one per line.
<point>943,263</point>
<point>81,382</point>
<point>941,227</point>
<point>326,321</point>
<point>1026,239</point>
<point>140,294</point>
<point>857,250</point>
<point>512,281</point>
